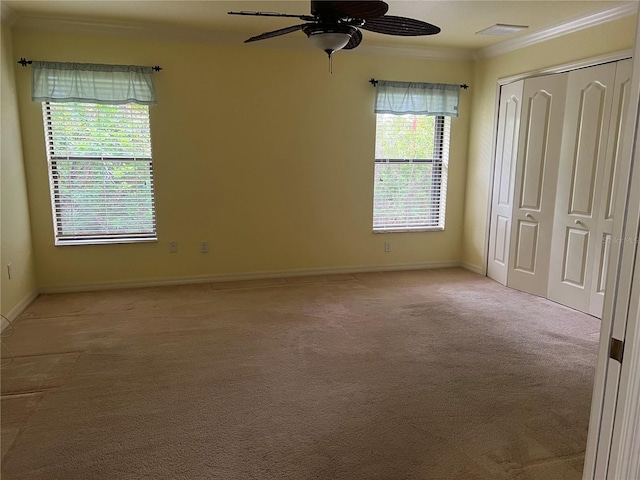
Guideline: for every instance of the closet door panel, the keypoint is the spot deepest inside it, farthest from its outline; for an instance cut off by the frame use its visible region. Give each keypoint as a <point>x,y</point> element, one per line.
<point>577,244</point>
<point>603,265</point>
<point>527,243</point>
<point>580,186</point>
<point>502,233</point>
<point>604,226</point>
<point>503,180</point>
<point>590,123</point>
<point>535,150</point>
<point>536,175</point>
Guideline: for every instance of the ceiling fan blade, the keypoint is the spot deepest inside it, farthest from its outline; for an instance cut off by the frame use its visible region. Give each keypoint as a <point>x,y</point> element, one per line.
<point>354,9</point>
<point>307,18</point>
<point>275,33</point>
<point>356,38</point>
<point>402,26</point>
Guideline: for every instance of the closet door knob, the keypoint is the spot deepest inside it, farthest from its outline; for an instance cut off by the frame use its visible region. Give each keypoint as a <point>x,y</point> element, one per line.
<point>578,222</point>
<point>528,215</point>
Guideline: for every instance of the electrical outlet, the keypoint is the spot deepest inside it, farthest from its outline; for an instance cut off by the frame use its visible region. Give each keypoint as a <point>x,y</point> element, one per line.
<point>387,246</point>
<point>9,271</point>
<point>204,247</point>
<point>173,247</point>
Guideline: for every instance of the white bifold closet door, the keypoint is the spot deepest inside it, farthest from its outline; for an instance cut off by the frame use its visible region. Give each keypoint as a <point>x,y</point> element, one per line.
<point>538,155</point>
<point>604,229</point>
<point>585,187</point>
<point>553,196</point>
<point>504,175</point>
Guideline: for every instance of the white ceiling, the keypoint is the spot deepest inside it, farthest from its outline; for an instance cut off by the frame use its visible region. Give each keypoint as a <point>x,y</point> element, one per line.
<point>208,20</point>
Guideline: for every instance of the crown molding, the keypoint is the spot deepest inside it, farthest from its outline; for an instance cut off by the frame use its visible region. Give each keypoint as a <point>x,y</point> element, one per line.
<point>119,29</point>
<point>8,15</point>
<point>164,32</point>
<point>556,31</point>
<point>428,53</point>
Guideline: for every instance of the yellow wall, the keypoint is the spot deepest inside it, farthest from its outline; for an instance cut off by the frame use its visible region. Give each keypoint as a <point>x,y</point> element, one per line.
<point>15,233</point>
<point>265,155</point>
<point>261,152</point>
<point>607,38</point>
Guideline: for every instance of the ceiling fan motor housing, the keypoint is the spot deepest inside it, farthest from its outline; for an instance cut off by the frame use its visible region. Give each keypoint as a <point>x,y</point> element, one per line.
<point>329,37</point>
<point>329,10</point>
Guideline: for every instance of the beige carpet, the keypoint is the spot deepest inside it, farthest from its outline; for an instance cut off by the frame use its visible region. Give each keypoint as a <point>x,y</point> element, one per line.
<point>422,375</point>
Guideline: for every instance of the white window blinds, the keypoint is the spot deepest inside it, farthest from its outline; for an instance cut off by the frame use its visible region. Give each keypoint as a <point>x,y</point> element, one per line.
<point>100,172</point>
<point>410,172</point>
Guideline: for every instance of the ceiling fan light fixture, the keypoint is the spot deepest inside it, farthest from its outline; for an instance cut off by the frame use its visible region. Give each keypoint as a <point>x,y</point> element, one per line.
<point>329,39</point>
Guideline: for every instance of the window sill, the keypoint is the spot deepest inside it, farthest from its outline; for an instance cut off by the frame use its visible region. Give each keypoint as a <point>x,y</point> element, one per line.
<point>104,241</point>
<point>409,230</point>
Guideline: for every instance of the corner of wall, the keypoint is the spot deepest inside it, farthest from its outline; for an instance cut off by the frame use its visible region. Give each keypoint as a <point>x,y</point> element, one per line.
<point>18,285</point>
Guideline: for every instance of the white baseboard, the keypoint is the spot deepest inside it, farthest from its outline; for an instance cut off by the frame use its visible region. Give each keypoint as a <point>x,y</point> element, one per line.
<point>161,282</point>
<point>18,309</point>
<point>473,268</point>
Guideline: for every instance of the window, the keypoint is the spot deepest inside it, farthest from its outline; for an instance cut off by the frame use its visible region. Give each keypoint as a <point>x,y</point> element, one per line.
<point>100,172</point>
<point>410,172</point>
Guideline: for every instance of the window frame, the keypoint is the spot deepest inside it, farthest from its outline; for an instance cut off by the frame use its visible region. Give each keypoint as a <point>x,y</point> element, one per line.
<point>53,171</point>
<point>439,163</point>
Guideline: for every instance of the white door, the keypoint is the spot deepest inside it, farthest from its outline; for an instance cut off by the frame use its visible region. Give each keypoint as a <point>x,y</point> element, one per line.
<point>579,186</point>
<point>504,180</point>
<point>624,456</point>
<point>604,227</point>
<point>536,178</point>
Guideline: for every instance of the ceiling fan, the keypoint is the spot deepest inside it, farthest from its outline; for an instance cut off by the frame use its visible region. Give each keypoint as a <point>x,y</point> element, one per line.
<point>336,25</point>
